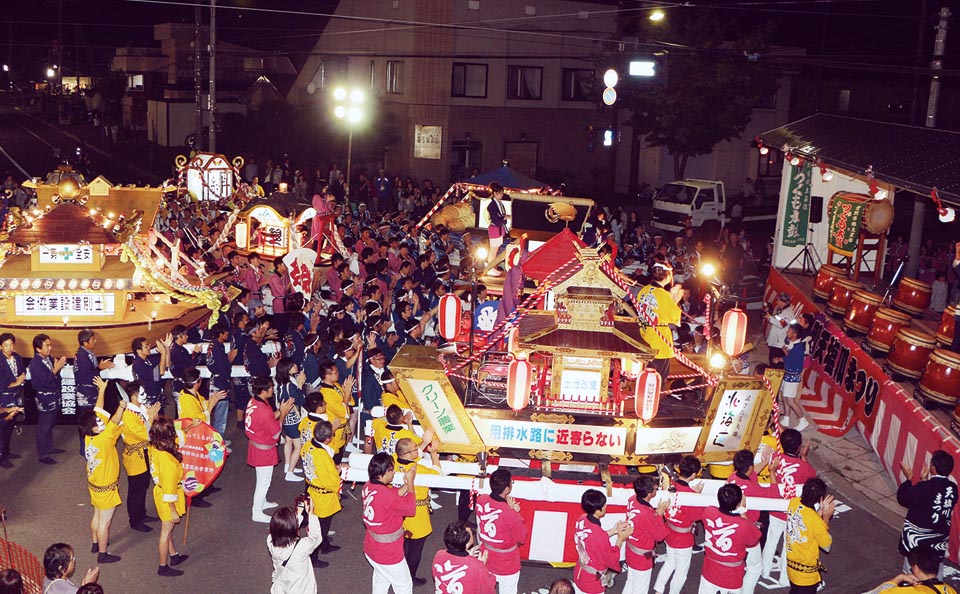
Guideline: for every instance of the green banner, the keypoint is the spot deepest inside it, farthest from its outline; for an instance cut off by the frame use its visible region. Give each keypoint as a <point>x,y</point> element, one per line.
<point>845,218</point>
<point>797,212</point>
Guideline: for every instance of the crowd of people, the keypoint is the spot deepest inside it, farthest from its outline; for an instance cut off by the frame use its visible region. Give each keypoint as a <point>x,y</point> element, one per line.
<point>319,383</point>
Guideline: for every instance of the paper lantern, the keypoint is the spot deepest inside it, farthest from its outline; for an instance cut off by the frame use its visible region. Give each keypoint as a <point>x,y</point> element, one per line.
<point>646,401</point>
<point>519,376</point>
<point>733,332</point>
<point>240,231</point>
<point>450,310</point>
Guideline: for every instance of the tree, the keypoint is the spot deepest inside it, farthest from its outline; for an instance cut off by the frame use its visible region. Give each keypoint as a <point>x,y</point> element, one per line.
<point>713,82</point>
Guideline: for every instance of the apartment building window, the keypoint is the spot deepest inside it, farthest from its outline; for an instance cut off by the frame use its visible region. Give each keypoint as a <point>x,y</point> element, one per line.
<point>135,82</point>
<point>524,82</point>
<point>395,77</point>
<point>469,80</point>
<point>843,100</point>
<point>577,84</point>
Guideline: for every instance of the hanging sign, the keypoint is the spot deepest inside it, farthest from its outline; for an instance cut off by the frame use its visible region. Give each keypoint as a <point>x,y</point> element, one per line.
<point>68,304</point>
<point>845,217</point>
<point>797,213</point>
<point>65,254</point>
<point>426,142</point>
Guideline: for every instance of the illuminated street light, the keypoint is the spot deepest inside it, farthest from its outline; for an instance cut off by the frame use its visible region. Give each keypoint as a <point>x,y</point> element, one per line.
<point>657,15</point>
<point>348,107</point>
<point>51,73</point>
<point>6,68</point>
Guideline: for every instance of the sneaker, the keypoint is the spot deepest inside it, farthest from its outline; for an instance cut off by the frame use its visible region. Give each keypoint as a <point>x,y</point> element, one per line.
<point>318,564</point>
<point>261,517</point>
<point>802,424</point>
<point>167,571</point>
<point>292,478</point>
<point>329,549</point>
<point>141,527</point>
<point>269,504</point>
<point>297,471</point>
<point>178,559</point>
<point>107,558</point>
<point>94,548</point>
<point>47,460</point>
<point>785,421</point>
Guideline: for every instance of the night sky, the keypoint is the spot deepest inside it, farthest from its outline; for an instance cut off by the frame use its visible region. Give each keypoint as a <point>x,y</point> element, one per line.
<point>863,31</point>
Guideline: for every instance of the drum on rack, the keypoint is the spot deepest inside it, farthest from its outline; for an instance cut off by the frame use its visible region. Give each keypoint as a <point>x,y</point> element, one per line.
<point>826,276</point>
<point>840,296</point>
<point>911,349</point>
<point>941,379</point>
<point>912,296</point>
<point>886,323</point>
<point>863,306</point>
<point>946,328</point>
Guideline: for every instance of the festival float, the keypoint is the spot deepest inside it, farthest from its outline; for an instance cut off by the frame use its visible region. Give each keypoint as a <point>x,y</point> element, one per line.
<point>83,257</point>
<point>559,393</point>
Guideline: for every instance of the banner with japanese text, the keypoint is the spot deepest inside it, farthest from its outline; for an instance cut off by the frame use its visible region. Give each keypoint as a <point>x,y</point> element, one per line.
<point>845,216</point>
<point>203,456</point>
<point>300,263</point>
<point>797,213</point>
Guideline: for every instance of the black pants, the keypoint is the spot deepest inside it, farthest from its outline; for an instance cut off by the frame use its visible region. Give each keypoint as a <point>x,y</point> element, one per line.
<point>6,434</point>
<point>463,505</point>
<point>662,366</point>
<point>795,589</point>
<point>44,440</point>
<point>413,552</point>
<point>80,411</point>
<point>137,497</point>
<point>325,531</point>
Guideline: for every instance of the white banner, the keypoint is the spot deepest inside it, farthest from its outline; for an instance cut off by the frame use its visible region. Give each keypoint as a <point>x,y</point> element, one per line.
<point>300,263</point>
<point>427,142</point>
<point>66,304</point>
<point>559,437</point>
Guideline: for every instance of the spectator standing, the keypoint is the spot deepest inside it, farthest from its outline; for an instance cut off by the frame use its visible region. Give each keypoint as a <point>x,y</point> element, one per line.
<point>778,316</point>
<point>795,353</point>
<point>59,565</point>
<point>290,552</point>
<point>45,378</point>
<point>747,191</point>
<point>929,504</point>
<point>808,523</point>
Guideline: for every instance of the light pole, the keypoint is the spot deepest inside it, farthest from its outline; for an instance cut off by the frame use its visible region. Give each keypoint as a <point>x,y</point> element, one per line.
<point>348,106</point>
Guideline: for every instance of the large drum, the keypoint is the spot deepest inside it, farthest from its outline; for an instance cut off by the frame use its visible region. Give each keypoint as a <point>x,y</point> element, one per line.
<point>912,296</point>
<point>826,276</point>
<point>941,379</point>
<point>946,328</point>
<point>886,323</point>
<point>910,352</point>
<point>841,295</point>
<point>863,306</point>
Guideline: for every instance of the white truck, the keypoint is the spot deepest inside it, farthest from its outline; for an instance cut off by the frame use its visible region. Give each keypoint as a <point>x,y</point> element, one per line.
<point>705,202</point>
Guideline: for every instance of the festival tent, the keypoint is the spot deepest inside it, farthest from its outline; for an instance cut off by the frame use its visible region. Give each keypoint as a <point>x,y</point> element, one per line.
<point>506,177</point>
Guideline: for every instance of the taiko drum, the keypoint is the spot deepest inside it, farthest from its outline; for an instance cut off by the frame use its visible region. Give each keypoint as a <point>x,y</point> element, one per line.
<point>912,296</point>
<point>941,378</point>
<point>863,306</point>
<point>823,283</point>
<point>910,352</point>
<point>947,326</point>
<point>841,294</point>
<point>886,323</point>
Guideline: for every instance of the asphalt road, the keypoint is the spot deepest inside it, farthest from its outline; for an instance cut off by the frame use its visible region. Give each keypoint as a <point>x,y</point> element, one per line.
<point>48,504</point>
<point>27,148</point>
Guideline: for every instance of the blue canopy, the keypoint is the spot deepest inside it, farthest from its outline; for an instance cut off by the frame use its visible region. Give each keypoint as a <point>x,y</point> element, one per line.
<point>506,177</point>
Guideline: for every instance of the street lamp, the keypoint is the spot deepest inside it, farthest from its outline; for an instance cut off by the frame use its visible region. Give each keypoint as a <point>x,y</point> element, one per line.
<point>657,15</point>
<point>347,106</point>
<point>51,73</point>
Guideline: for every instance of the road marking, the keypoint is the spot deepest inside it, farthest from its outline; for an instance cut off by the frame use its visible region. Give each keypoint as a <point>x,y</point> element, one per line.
<point>17,165</point>
<point>32,133</point>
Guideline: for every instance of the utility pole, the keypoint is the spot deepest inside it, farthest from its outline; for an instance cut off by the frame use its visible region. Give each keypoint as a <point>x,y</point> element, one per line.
<point>212,145</point>
<point>920,204</point>
<point>197,73</point>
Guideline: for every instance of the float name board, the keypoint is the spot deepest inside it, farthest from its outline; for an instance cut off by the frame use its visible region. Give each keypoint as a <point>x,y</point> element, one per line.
<point>557,437</point>
<point>65,254</point>
<point>732,421</point>
<point>66,304</point>
<point>440,414</point>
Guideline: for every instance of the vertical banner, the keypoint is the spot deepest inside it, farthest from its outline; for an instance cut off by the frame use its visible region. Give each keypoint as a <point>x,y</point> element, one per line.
<point>797,213</point>
<point>845,218</point>
<point>426,142</point>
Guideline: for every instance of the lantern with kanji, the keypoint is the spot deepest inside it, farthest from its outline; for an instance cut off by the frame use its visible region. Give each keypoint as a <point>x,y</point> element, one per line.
<point>733,332</point>
<point>450,310</point>
<point>519,377</point>
<point>647,396</point>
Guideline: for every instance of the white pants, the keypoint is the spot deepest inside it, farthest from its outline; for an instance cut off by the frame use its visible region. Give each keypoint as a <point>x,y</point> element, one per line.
<point>753,569</point>
<point>396,575</point>
<point>507,584</point>
<point>638,581</point>
<point>264,476</point>
<point>707,588</point>
<point>774,536</point>
<point>676,563</point>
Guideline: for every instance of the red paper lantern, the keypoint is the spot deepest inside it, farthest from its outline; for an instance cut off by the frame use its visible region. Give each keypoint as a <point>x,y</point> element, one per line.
<point>450,310</point>
<point>519,378</point>
<point>733,332</point>
<point>646,401</point>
